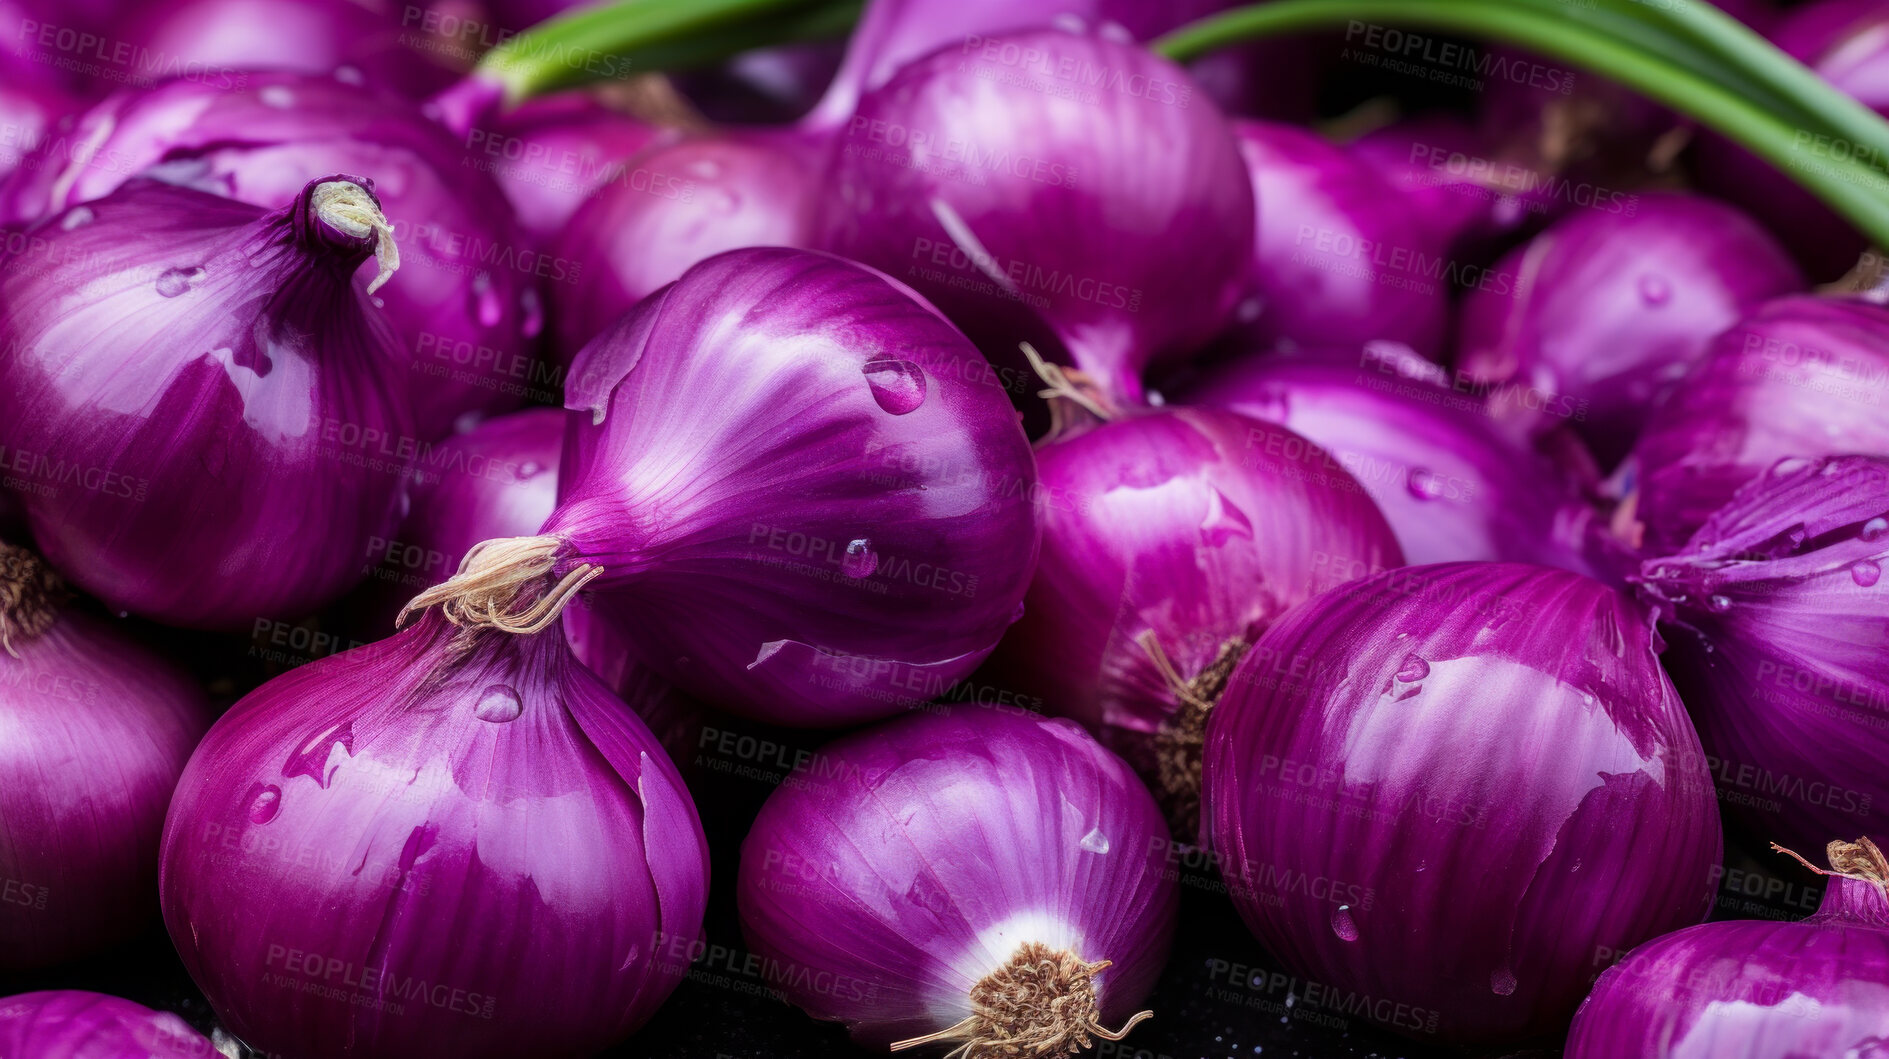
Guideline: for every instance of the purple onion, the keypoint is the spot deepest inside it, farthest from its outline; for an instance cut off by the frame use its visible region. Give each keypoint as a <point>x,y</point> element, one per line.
<point>1489,777</point>
<point>932,864</point>
<point>1800,376</point>
<point>997,180</point>
<point>1609,309</point>
<point>552,153</point>
<point>467,301</point>
<point>673,206</point>
<point>1778,612</point>
<point>455,841</point>
<point>97,731</point>
<point>70,1024</point>
<point>1467,188</point>
<point>1171,540</point>
<point>1451,484</point>
<point>1338,258</point>
<point>1756,989</point>
<point>203,407</point>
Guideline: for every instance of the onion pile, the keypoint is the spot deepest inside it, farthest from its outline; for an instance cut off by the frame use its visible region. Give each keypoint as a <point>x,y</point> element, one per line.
<point>69,1024</point>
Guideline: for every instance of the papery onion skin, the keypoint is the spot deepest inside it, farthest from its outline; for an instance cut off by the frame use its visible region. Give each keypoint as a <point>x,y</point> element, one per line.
<point>73,1024</point>
<point>1195,526</point>
<point>1339,258</point>
<point>467,301</point>
<point>1485,765</point>
<point>1609,310</point>
<point>920,853</point>
<point>552,153</point>
<point>1778,613</point>
<point>1122,221</point>
<point>98,729</point>
<point>197,394</point>
<point>1750,989</point>
<point>470,850</point>
<point>674,206</point>
<point>810,497</point>
<point>1798,377</point>
<point>1451,484</point>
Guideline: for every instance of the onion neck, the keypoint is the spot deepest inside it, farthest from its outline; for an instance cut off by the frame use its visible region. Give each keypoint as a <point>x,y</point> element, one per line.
<point>1041,1003</point>
<point>1859,886</point>
<point>502,584</point>
<point>1182,737</point>
<point>339,218</point>
<point>31,595</point>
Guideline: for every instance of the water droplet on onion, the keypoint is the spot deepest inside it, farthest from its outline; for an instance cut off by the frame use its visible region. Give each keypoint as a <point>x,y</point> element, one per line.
<point>1866,572</point>
<point>1095,841</point>
<point>78,217</point>
<point>486,307</point>
<point>311,758</point>
<point>529,469</point>
<point>898,385</point>
<point>1424,484</point>
<point>1788,466</point>
<point>265,801</point>
<point>532,306</point>
<point>1413,669</point>
<point>1070,23</point>
<point>1718,604</point>
<point>1875,529</point>
<point>175,281</point>
<point>1502,981</point>
<point>1342,925</point>
<point>1655,290</point>
<point>499,704</point>
<point>860,560</point>
<point>277,96</point>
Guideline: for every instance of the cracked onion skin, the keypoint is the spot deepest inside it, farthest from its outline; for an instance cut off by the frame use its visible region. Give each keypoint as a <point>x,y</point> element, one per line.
<point>1485,768</point>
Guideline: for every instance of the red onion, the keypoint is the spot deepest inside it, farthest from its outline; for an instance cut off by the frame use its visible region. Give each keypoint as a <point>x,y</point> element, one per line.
<point>97,729</point>
<point>550,154</point>
<point>1074,176</point>
<point>674,206</point>
<point>1338,258</point>
<point>69,1024</point>
<point>1756,989</point>
<point>498,480</point>
<point>1171,540</point>
<point>1466,188</point>
<point>1800,376</point>
<point>1450,483</point>
<point>455,841</point>
<point>1448,787</point>
<point>987,879</point>
<point>201,412</point>
<point>467,300</point>
<point>1610,309</point>
<point>1780,611</point>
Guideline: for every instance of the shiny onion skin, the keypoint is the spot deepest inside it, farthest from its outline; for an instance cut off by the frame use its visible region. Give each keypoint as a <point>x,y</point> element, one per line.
<point>1452,485</point>
<point>97,730</point>
<point>1122,221</point>
<point>1778,613</point>
<point>452,842</point>
<point>204,388</point>
<point>1171,540</point>
<point>1798,377</point>
<point>1461,184</point>
<point>550,154</point>
<point>1753,989</point>
<point>1339,259</point>
<point>675,205</point>
<point>1604,312</point>
<point>923,855</point>
<point>467,302</point>
<point>810,497</point>
<point>72,1024</point>
<point>1485,768</point>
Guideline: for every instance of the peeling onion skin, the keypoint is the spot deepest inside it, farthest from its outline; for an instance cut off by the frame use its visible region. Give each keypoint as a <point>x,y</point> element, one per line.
<point>1777,614</point>
<point>913,844</point>
<point>376,808</point>
<point>810,496</point>
<point>1547,796</point>
<point>73,1024</point>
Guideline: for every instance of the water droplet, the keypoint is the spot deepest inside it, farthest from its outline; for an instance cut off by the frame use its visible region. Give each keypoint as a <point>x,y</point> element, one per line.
<point>1576,866</point>
<point>1875,529</point>
<point>1788,466</point>
<point>486,306</point>
<point>1655,290</point>
<point>1413,669</point>
<point>77,217</point>
<point>1224,521</point>
<point>1070,23</point>
<point>898,385</point>
<point>1502,981</point>
<point>705,169</point>
<point>1718,604</point>
<point>265,801</point>
<point>860,560</point>
<point>1866,572</point>
<point>311,758</point>
<point>1115,31</point>
<point>174,281</point>
<point>532,306</point>
<point>529,469</point>
<point>348,75</point>
<point>498,704</point>
<point>1095,841</point>
<point>1342,925</point>
<point>277,96</point>
<point>1424,484</point>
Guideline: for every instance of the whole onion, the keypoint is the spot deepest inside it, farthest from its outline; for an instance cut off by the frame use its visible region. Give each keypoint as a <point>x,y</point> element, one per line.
<point>675,205</point>
<point>550,154</point>
<point>1609,309</point>
<point>455,841</point>
<point>1799,376</point>
<point>1448,787</point>
<point>467,301</point>
<point>1338,258</point>
<point>203,407</point>
<point>97,730</point>
<point>1450,483</point>
<point>71,1024</point>
<point>1756,989</point>
<point>1072,177</point>
<point>810,499</point>
<point>1779,612</point>
<point>1171,540</point>
<point>987,879</point>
